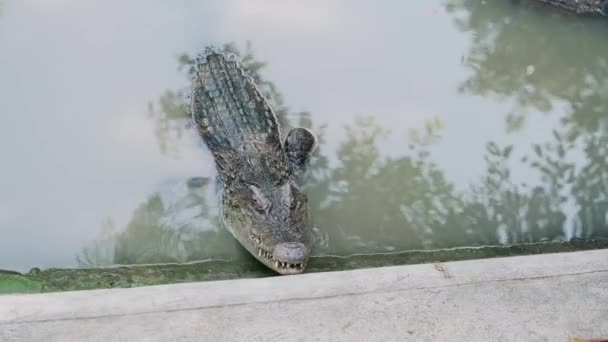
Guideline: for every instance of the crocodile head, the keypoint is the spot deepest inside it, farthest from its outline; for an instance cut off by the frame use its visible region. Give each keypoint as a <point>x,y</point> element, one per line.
<point>262,206</point>
<point>272,222</point>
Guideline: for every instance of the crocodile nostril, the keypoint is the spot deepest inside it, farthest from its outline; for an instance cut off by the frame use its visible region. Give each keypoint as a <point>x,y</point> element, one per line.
<point>292,245</point>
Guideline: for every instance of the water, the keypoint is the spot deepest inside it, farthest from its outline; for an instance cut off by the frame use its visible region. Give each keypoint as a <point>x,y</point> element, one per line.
<point>442,124</point>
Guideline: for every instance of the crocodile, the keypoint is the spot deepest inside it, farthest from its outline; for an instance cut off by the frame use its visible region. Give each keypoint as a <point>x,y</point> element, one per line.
<point>586,7</point>
<point>261,201</point>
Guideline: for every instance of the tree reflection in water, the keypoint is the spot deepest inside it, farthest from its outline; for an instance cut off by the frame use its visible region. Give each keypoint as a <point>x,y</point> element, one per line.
<point>370,203</point>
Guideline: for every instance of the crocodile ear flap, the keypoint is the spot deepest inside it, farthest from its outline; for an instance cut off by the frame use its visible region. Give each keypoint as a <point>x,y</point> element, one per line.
<point>299,145</point>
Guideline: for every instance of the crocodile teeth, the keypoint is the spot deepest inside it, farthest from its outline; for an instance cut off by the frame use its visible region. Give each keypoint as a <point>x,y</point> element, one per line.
<point>260,252</point>
<point>276,264</point>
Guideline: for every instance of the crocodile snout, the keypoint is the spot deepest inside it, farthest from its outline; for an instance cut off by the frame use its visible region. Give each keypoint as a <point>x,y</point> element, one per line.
<point>291,252</point>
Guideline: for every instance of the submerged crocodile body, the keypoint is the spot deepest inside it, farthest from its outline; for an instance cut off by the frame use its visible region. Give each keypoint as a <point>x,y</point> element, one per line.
<point>261,203</point>
<point>580,6</point>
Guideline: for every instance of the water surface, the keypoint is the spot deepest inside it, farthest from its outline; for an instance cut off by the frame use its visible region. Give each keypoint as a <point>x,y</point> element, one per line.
<point>442,124</point>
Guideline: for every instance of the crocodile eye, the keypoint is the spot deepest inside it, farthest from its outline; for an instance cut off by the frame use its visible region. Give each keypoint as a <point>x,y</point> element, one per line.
<point>290,203</point>
<point>260,202</point>
<point>259,206</point>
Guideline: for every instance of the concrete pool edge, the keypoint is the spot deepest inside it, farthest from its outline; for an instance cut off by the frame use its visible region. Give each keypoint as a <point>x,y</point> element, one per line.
<point>36,310</point>
<point>129,276</point>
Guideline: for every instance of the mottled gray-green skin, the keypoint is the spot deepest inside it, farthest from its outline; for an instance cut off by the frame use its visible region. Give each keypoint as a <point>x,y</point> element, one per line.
<point>581,6</point>
<point>262,205</point>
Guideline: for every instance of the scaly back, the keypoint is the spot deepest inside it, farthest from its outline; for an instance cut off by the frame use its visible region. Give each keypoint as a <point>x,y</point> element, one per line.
<point>235,120</point>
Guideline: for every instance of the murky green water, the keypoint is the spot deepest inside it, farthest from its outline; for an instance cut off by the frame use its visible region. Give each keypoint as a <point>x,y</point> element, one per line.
<point>442,124</point>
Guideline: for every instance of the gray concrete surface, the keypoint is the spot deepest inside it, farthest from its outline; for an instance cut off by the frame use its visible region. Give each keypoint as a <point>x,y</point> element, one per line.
<point>550,297</point>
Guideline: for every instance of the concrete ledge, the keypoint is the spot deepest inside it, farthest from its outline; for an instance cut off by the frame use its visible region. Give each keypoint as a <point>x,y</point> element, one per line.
<point>548,297</point>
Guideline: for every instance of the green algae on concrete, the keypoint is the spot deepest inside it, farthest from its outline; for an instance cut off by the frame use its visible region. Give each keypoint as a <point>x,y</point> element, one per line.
<point>14,282</point>
<point>53,280</point>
